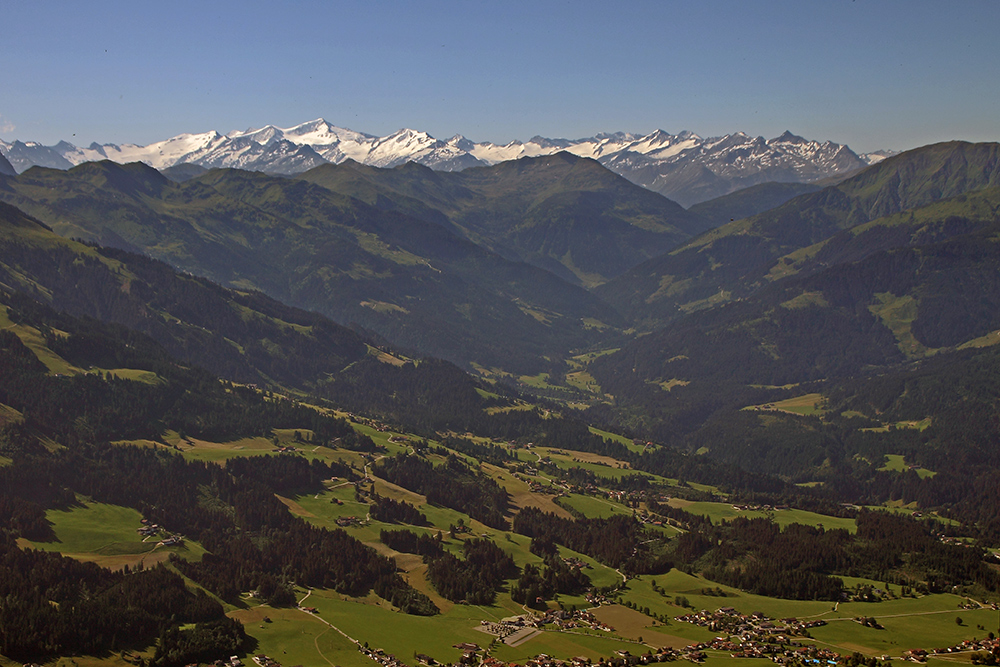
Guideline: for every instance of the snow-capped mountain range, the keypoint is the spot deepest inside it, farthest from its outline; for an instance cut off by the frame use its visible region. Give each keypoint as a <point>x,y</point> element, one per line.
<point>684,167</point>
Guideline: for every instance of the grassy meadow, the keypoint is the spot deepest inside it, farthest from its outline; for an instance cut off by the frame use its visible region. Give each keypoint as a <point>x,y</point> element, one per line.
<point>807,404</point>
<point>719,512</point>
<point>107,535</point>
<point>896,463</point>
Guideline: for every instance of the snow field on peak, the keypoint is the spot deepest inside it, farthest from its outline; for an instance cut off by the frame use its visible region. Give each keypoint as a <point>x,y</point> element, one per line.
<point>655,160</point>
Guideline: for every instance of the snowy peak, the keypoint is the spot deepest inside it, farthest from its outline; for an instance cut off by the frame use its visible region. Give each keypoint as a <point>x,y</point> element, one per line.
<point>682,166</point>
<point>404,146</point>
<point>461,143</point>
<point>318,133</point>
<point>264,135</point>
<point>25,155</point>
<point>877,156</point>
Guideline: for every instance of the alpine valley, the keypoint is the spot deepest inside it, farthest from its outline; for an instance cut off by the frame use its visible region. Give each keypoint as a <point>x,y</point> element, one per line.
<point>308,396</point>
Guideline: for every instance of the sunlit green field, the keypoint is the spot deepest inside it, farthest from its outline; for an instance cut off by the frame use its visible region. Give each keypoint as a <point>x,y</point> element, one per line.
<point>896,463</point>
<point>925,622</point>
<point>106,534</point>
<point>594,508</point>
<point>936,628</point>
<point>94,528</point>
<point>295,638</point>
<point>601,466</point>
<point>724,511</point>
<point>435,635</point>
<point>614,437</point>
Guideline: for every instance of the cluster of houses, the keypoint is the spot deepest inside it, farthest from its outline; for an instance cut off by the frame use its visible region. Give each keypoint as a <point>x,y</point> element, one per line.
<point>234,661</point>
<point>624,497</point>
<point>807,654</point>
<point>470,656</point>
<point>381,657</point>
<point>622,659</point>
<point>756,635</point>
<point>149,529</point>
<point>561,618</point>
<point>777,653</point>
<point>572,561</point>
<point>955,541</point>
<point>760,508</point>
<point>771,650</point>
<point>732,622</point>
<point>549,489</point>
<point>470,652</point>
<point>984,645</point>
<point>597,599</point>
<point>654,520</point>
<point>371,423</point>
<point>747,636</point>
<point>567,620</point>
<point>265,661</point>
<point>619,464</point>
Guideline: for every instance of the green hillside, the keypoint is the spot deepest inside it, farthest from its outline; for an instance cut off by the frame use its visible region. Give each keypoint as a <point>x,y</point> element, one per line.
<point>852,321</point>
<point>568,215</point>
<point>412,282</point>
<point>318,539</point>
<point>733,260</point>
<point>242,335</point>
<point>750,201</point>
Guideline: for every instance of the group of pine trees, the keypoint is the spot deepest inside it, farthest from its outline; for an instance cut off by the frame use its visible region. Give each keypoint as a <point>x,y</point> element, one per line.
<point>57,605</point>
<point>455,484</point>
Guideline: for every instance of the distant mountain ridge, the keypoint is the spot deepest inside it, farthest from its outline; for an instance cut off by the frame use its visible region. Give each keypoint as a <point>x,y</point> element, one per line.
<point>684,167</point>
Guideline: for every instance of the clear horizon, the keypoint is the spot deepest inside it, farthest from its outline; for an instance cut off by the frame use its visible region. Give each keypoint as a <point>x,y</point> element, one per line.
<point>888,75</point>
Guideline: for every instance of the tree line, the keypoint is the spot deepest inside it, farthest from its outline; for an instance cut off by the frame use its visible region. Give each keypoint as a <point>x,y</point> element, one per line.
<point>454,484</point>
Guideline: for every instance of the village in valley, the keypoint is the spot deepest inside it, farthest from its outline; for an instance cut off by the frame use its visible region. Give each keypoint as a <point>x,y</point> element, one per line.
<point>781,641</point>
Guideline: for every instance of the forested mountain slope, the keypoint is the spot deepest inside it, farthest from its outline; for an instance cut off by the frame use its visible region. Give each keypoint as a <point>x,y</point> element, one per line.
<point>750,201</point>
<point>242,335</point>
<point>735,259</point>
<point>563,213</point>
<point>873,324</point>
<point>411,281</point>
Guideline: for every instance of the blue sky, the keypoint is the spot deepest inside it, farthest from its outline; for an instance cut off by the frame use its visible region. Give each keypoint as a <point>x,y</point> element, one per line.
<point>873,74</point>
